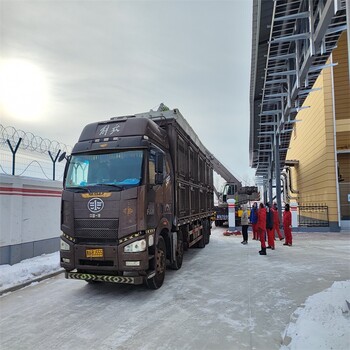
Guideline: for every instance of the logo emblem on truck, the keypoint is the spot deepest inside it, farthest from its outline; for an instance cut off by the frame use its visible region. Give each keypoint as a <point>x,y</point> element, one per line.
<point>95,205</point>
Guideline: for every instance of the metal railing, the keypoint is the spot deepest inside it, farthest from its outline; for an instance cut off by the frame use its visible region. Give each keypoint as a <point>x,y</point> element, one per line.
<point>23,153</point>
<point>313,215</point>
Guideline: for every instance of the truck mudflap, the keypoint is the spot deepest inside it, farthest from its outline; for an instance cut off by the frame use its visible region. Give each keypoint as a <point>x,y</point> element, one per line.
<point>104,278</point>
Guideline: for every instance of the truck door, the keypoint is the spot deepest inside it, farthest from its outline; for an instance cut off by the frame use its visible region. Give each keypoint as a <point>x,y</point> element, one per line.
<point>158,196</point>
<point>168,192</point>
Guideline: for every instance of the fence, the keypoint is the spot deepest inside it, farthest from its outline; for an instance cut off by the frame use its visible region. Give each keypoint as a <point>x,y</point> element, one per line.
<point>315,215</point>
<point>23,153</point>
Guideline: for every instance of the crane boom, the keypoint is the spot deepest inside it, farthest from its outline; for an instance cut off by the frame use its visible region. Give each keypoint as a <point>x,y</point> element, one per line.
<point>221,170</point>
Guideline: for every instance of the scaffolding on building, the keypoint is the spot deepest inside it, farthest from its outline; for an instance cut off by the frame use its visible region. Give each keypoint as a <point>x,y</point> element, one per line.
<point>292,42</point>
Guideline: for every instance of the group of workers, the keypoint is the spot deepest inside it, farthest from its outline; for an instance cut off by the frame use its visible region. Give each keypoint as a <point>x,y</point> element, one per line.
<point>265,222</point>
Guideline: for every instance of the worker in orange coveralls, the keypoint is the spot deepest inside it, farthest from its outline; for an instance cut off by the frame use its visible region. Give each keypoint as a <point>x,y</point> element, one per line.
<point>269,227</point>
<point>262,228</point>
<point>276,222</point>
<point>287,225</point>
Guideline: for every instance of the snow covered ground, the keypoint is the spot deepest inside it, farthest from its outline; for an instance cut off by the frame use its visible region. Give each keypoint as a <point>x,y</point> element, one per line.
<point>326,315</point>
<point>28,270</point>
<point>322,323</point>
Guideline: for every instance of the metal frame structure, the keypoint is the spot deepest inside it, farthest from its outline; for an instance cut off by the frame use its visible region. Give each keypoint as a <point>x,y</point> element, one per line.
<point>292,41</point>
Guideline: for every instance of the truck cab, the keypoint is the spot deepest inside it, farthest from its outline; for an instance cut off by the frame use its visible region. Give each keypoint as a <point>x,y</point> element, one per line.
<point>117,192</point>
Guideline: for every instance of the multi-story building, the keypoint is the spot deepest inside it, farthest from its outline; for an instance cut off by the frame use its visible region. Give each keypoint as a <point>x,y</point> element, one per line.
<point>300,108</point>
<point>320,142</point>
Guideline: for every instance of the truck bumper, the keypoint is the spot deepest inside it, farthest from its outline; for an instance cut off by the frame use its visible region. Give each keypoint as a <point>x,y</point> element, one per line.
<point>113,259</point>
<point>104,278</point>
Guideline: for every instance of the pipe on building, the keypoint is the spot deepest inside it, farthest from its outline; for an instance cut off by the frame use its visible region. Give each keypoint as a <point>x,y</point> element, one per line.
<point>286,186</point>
<point>290,181</point>
<point>335,143</point>
<point>285,191</point>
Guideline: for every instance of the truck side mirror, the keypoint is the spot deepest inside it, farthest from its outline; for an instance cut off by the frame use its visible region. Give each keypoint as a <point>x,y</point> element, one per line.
<point>159,163</point>
<point>159,179</point>
<point>159,168</point>
<point>62,156</point>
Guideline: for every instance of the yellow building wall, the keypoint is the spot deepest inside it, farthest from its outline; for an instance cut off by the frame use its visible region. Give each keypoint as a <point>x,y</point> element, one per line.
<point>312,142</point>
<point>342,109</point>
<point>341,84</point>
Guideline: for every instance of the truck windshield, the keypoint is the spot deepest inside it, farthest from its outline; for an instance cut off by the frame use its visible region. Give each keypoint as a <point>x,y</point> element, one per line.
<point>116,170</point>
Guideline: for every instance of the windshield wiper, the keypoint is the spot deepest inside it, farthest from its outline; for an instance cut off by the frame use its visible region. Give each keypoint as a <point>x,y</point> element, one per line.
<point>110,185</point>
<point>84,188</point>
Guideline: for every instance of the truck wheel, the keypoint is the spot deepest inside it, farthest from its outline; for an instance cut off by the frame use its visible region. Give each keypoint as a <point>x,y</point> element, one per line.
<point>201,243</point>
<point>185,239</point>
<point>160,260</point>
<point>176,265</point>
<point>207,235</point>
<point>218,223</point>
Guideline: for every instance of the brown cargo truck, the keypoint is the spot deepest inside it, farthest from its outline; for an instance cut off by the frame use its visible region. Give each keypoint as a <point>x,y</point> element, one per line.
<point>138,191</point>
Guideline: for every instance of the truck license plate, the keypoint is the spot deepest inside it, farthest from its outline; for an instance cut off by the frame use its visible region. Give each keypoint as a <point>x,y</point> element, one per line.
<point>94,253</point>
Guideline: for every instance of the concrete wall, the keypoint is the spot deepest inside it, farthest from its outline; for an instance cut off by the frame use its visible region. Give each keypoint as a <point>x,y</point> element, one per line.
<point>29,217</point>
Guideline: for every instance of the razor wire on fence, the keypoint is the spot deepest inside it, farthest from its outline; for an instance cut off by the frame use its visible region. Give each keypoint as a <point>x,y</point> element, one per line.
<point>26,154</point>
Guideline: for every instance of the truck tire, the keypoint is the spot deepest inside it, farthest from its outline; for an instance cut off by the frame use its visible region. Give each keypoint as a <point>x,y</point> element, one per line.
<point>185,238</point>
<point>201,243</point>
<point>219,223</point>
<point>207,238</point>
<point>207,228</point>
<point>176,265</point>
<point>157,280</point>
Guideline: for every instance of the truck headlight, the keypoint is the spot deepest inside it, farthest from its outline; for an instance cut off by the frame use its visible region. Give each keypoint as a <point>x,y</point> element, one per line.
<point>64,245</point>
<point>135,247</point>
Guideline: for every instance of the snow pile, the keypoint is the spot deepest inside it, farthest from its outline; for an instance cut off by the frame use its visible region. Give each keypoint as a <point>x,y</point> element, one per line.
<point>28,270</point>
<point>323,323</point>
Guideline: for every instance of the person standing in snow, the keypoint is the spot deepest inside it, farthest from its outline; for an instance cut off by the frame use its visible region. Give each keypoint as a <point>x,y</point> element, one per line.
<point>269,228</point>
<point>287,225</point>
<point>261,226</point>
<point>276,222</point>
<point>253,217</point>
<point>245,224</point>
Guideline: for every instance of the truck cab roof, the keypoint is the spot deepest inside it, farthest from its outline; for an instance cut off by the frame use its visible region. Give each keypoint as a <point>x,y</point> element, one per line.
<point>127,131</point>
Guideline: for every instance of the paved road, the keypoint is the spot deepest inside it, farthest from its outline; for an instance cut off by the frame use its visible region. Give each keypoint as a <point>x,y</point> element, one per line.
<point>225,296</point>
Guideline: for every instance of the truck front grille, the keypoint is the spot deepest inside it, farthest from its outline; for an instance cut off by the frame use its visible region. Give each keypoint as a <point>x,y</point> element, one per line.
<point>96,229</point>
<point>89,262</point>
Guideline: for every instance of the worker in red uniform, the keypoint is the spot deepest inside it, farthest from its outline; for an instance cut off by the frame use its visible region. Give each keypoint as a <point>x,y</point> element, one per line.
<point>261,226</point>
<point>276,222</point>
<point>269,227</point>
<point>287,225</point>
